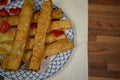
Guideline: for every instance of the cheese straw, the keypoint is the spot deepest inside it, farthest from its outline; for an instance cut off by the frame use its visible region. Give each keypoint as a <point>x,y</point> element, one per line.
<point>13,20</point>
<point>5,48</point>
<point>44,21</point>
<point>17,51</point>
<point>55,25</point>
<point>51,49</point>
<point>7,37</point>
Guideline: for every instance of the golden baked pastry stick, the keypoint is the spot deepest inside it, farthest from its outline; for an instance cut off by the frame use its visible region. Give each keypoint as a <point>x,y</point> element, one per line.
<point>55,25</point>
<point>56,14</point>
<point>13,20</point>
<point>7,37</point>
<point>29,44</point>
<point>26,58</point>
<point>58,47</point>
<point>17,51</point>
<point>4,62</point>
<point>52,49</point>
<point>52,38</point>
<point>44,21</point>
<point>60,25</point>
<point>5,48</point>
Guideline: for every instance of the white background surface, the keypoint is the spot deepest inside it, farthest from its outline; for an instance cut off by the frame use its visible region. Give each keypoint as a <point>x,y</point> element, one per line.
<point>77,67</point>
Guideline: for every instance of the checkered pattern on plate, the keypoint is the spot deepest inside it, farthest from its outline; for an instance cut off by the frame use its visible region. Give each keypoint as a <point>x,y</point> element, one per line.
<point>54,66</point>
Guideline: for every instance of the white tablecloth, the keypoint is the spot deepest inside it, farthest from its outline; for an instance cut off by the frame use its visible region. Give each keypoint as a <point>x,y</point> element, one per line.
<point>77,67</point>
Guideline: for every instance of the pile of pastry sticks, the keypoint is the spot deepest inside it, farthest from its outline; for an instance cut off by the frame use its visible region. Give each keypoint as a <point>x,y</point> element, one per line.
<point>32,44</point>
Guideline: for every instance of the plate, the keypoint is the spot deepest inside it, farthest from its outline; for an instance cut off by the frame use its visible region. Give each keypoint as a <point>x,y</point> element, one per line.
<point>49,66</point>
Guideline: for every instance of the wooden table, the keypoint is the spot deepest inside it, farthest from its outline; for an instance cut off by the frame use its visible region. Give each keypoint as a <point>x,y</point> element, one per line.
<point>104,39</point>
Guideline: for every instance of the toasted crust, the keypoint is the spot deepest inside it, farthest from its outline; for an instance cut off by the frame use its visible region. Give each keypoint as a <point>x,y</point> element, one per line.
<point>29,44</point>
<point>52,38</point>
<point>4,62</point>
<point>56,25</point>
<point>52,49</point>
<point>13,20</point>
<point>7,37</point>
<point>60,25</point>
<point>57,13</point>
<point>32,32</point>
<point>58,47</point>
<point>26,58</point>
<point>5,48</point>
<point>35,17</point>
<point>44,21</point>
<point>16,55</point>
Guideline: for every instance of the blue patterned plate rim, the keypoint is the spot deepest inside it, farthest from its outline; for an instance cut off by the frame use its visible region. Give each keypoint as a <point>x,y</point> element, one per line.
<point>56,64</point>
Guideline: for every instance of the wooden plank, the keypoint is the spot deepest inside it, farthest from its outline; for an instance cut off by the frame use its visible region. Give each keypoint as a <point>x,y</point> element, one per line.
<point>113,67</point>
<point>108,39</point>
<point>107,56</point>
<point>104,73</point>
<point>105,2</point>
<point>96,65</point>
<point>102,13</point>
<point>94,46</point>
<point>104,26</point>
<point>106,18</point>
<point>93,25</point>
<point>101,78</point>
<point>99,52</point>
<point>92,37</point>
<point>103,32</point>
<point>104,44</point>
<point>105,8</point>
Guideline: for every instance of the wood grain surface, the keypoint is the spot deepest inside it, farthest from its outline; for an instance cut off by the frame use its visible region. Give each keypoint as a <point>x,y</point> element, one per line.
<point>104,39</point>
